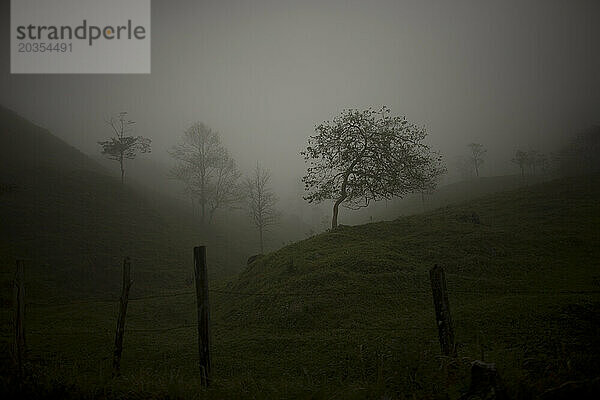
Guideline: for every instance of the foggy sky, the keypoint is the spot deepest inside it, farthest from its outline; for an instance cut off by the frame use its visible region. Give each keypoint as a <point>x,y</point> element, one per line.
<point>263,73</point>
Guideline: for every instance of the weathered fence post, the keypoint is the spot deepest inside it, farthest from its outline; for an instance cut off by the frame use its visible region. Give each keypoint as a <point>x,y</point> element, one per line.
<point>127,282</point>
<point>442,311</point>
<point>19,314</point>
<point>203,316</point>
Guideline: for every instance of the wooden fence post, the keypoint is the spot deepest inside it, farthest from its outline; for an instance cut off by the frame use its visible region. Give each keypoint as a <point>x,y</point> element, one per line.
<point>127,282</point>
<point>442,311</point>
<point>203,313</point>
<point>19,314</point>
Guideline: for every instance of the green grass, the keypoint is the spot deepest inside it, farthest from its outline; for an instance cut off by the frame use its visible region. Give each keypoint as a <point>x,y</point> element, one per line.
<point>349,314</point>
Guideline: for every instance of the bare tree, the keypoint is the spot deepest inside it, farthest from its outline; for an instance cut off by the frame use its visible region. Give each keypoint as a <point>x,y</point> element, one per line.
<point>225,190</point>
<point>208,172</point>
<point>183,173</point>
<point>477,154</point>
<point>123,146</point>
<point>261,201</point>
<point>364,156</point>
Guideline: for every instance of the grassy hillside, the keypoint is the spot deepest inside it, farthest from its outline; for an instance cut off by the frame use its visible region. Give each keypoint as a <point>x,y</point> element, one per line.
<point>25,147</point>
<point>523,278</point>
<point>349,314</point>
<point>444,195</point>
<point>75,222</point>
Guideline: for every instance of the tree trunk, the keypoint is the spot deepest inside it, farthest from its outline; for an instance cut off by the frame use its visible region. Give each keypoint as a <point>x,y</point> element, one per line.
<point>260,236</point>
<point>344,194</point>
<point>336,206</point>
<point>423,200</point>
<point>339,201</point>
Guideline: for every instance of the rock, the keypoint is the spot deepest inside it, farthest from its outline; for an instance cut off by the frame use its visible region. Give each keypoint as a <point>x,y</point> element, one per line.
<point>253,258</point>
<point>485,383</point>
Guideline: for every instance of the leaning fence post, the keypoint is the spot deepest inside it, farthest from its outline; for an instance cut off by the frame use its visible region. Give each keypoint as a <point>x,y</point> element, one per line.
<point>442,311</point>
<point>127,282</point>
<point>19,313</point>
<point>203,315</point>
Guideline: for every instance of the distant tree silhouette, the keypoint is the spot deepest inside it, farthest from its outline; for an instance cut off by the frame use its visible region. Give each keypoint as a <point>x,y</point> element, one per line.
<point>580,155</point>
<point>261,201</point>
<point>122,146</point>
<point>364,156</point>
<point>535,160</point>
<point>476,156</point>
<point>208,172</point>
<point>531,159</point>
<point>521,159</point>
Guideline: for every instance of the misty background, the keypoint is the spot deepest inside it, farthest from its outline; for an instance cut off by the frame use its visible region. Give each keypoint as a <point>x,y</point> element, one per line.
<point>510,246</point>
<point>509,75</point>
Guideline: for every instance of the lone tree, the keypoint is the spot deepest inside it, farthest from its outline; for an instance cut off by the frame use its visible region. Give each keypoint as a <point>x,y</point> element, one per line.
<point>261,201</point>
<point>477,153</point>
<point>364,156</point>
<point>210,175</point>
<point>122,146</point>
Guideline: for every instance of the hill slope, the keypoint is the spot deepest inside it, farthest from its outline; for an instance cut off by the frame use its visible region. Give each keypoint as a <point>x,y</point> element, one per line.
<point>515,234</point>
<point>75,222</point>
<point>25,146</point>
<point>444,195</point>
<point>344,314</point>
<point>524,287</point>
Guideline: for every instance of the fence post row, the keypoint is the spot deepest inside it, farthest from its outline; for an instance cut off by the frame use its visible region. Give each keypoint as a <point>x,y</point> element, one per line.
<point>19,315</point>
<point>436,276</point>
<point>203,313</point>
<point>442,311</point>
<point>127,282</point>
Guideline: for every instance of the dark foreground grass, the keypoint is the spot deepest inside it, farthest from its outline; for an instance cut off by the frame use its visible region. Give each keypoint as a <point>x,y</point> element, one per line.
<point>348,314</point>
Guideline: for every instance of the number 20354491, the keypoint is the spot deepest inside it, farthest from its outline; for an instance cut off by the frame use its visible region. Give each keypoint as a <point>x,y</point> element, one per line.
<point>37,47</point>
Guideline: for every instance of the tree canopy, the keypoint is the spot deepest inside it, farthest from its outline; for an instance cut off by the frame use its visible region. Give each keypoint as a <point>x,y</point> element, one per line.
<point>122,145</point>
<point>369,155</point>
<point>477,154</point>
<point>261,201</point>
<point>210,175</point>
